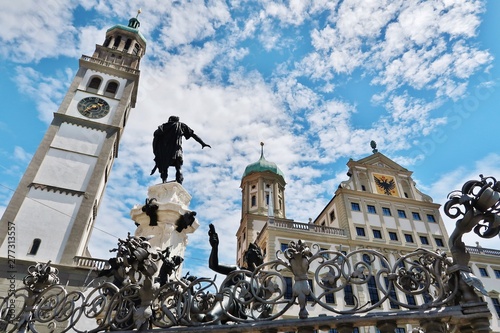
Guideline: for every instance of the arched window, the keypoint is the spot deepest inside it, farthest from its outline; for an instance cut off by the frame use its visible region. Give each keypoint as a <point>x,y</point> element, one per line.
<point>107,41</point>
<point>118,39</point>
<point>127,44</point>
<point>137,49</point>
<point>94,84</point>
<point>111,89</point>
<point>35,246</point>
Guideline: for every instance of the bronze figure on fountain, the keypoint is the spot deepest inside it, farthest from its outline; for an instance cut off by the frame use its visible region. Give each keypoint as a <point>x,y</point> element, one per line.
<point>167,147</point>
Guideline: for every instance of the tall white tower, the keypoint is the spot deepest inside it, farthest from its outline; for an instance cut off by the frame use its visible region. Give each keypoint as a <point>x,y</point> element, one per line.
<point>55,205</point>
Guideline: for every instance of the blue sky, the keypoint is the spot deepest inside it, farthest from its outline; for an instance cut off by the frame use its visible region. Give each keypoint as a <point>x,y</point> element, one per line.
<point>314,80</point>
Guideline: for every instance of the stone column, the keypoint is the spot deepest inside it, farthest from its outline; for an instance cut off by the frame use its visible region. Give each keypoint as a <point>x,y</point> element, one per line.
<point>172,202</point>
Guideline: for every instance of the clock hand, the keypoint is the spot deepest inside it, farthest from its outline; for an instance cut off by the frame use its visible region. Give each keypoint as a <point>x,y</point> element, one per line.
<point>93,106</point>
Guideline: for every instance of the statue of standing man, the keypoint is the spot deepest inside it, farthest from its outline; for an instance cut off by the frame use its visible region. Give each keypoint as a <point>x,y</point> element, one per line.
<point>167,147</point>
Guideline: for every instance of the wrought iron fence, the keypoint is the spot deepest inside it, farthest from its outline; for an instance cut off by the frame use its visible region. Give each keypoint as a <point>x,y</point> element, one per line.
<point>137,299</point>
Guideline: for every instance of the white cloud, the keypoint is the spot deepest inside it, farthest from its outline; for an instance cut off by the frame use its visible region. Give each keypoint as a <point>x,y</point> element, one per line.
<point>21,155</point>
<point>22,22</point>
<point>193,21</point>
<point>47,91</point>
<point>197,67</point>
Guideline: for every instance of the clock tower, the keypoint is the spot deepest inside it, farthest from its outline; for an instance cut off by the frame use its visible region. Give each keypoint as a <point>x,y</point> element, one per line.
<point>54,208</point>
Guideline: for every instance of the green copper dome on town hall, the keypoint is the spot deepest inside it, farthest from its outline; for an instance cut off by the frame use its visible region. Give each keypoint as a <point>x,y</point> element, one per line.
<point>263,165</point>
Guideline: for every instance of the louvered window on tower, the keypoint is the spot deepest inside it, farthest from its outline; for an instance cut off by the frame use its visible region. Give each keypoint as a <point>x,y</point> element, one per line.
<point>107,41</point>
<point>111,89</point>
<point>127,44</point>
<point>117,42</point>
<point>94,84</point>
<point>137,49</point>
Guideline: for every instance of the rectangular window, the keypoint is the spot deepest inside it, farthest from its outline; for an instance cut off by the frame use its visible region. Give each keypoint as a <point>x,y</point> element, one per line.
<point>371,209</point>
<point>401,213</point>
<point>330,298</point>
<point>424,240</point>
<point>411,299</point>
<point>496,305</point>
<point>430,218</point>
<point>355,207</point>
<point>284,246</point>
<point>325,255</point>
<point>416,216</point>
<point>439,242</point>
<point>497,273</point>
<point>332,215</point>
<point>483,272</point>
<point>377,234</point>
<point>409,238</point>
<point>386,211</point>
<point>367,259</point>
<point>393,298</point>
<point>348,295</point>
<point>373,291</point>
<point>393,236</point>
<point>288,288</point>
<point>400,330</point>
<point>427,297</point>
<point>360,231</point>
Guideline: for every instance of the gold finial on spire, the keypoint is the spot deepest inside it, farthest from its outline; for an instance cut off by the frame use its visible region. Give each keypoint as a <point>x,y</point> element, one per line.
<point>138,12</point>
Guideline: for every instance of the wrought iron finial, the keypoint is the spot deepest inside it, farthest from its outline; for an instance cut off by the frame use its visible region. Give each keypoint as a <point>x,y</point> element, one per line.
<point>477,207</point>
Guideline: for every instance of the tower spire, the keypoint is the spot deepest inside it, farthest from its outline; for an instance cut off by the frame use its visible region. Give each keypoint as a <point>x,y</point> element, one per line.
<point>262,150</point>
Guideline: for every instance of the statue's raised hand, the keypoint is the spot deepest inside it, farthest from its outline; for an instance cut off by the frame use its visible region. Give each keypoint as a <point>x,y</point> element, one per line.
<point>212,236</point>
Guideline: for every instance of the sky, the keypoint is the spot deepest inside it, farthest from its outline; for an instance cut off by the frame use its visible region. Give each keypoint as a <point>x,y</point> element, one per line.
<point>316,81</point>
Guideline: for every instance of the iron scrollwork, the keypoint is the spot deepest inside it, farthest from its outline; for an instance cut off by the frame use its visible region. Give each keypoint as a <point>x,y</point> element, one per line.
<point>477,207</point>
<point>136,300</point>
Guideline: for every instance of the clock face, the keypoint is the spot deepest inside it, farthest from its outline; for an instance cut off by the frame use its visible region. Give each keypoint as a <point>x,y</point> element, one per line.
<point>93,107</point>
<point>385,185</point>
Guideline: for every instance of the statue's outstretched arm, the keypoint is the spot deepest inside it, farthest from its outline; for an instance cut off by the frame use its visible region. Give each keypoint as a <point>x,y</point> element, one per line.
<point>200,141</point>
<point>213,261</point>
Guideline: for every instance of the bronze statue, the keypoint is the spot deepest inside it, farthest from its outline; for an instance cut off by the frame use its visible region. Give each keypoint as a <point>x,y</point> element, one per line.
<point>253,256</point>
<point>167,147</point>
<point>230,306</point>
